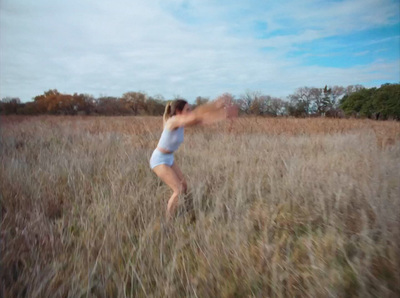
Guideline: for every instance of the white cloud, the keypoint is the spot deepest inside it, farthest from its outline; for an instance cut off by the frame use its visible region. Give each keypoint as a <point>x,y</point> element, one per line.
<point>171,47</point>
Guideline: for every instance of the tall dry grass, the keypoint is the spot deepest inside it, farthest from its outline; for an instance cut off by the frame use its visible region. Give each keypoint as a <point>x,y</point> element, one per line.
<point>284,207</point>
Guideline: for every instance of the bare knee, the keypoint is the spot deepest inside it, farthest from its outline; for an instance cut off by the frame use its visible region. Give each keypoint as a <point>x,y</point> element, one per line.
<point>181,188</point>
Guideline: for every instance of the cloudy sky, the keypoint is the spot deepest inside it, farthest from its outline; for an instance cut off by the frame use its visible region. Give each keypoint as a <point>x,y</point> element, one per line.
<point>193,48</point>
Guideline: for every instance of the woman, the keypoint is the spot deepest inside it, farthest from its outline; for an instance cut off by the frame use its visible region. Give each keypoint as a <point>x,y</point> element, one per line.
<point>178,115</point>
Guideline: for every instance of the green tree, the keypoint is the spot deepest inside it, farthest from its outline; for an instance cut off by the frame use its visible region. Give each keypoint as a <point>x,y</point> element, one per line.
<point>379,103</point>
<point>386,102</point>
<point>325,102</point>
<point>353,104</point>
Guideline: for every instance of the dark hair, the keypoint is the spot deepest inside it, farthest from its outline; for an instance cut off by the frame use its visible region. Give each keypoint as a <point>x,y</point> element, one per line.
<point>172,107</point>
<point>177,105</point>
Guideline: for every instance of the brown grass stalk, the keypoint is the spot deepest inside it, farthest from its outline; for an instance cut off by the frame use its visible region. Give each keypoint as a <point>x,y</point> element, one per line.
<point>283,207</point>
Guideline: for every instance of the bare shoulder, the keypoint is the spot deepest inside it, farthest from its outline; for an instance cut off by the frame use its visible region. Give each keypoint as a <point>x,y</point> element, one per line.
<point>172,123</point>
<point>181,120</point>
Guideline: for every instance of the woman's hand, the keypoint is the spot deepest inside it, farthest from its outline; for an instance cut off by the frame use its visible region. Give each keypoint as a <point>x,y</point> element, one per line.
<point>223,101</point>
<point>218,110</point>
<point>232,111</point>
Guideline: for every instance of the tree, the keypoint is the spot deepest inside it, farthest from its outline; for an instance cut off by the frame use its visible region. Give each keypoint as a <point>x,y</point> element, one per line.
<point>275,107</point>
<point>301,102</point>
<point>65,105</point>
<point>87,103</point>
<point>352,104</point>
<point>135,101</point>
<point>256,106</point>
<point>47,102</point>
<point>379,103</point>
<point>352,89</point>
<point>324,101</point>
<point>305,101</point>
<point>337,93</point>
<point>386,102</point>
<point>333,109</point>
<point>10,105</point>
<point>154,107</point>
<point>297,108</point>
<point>249,102</point>
<point>109,105</point>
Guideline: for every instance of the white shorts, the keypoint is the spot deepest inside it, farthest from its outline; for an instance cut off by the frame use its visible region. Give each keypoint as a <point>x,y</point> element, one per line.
<point>159,158</point>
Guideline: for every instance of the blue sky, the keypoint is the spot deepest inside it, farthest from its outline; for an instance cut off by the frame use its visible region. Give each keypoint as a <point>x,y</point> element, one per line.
<point>195,48</point>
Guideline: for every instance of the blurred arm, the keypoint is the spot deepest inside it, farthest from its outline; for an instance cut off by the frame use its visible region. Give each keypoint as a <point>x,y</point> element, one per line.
<point>206,114</point>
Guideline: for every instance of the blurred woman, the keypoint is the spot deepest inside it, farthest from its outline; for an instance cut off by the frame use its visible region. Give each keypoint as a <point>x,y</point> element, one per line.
<point>178,115</point>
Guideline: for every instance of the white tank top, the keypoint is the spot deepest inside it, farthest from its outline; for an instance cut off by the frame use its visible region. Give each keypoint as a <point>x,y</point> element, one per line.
<point>171,139</point>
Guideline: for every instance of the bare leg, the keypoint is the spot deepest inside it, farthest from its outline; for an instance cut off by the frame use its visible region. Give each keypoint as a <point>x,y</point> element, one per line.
<point>168,175</point>
<point>182,179</point>
<point>188,200</point>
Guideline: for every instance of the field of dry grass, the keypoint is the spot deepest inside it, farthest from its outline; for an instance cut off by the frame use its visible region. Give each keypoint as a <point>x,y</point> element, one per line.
<point>283,207</point>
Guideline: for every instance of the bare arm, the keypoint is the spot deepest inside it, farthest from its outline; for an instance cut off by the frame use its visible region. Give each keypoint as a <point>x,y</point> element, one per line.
<point>205,114</point>
<point>226,111</point>
<point>209,107</point>
<point>214,116</point>
<point>181,120</point>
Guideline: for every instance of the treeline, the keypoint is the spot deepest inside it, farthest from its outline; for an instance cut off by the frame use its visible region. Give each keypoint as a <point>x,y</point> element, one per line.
<point>376,103</point>
<point>55,103</point>
<point>335,101</point>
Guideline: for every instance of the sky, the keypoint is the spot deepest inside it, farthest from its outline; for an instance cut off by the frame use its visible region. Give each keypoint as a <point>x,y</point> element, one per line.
<point>191,48</point>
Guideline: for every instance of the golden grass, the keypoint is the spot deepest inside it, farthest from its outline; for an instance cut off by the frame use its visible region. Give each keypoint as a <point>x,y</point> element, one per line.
<point>284,207</point>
